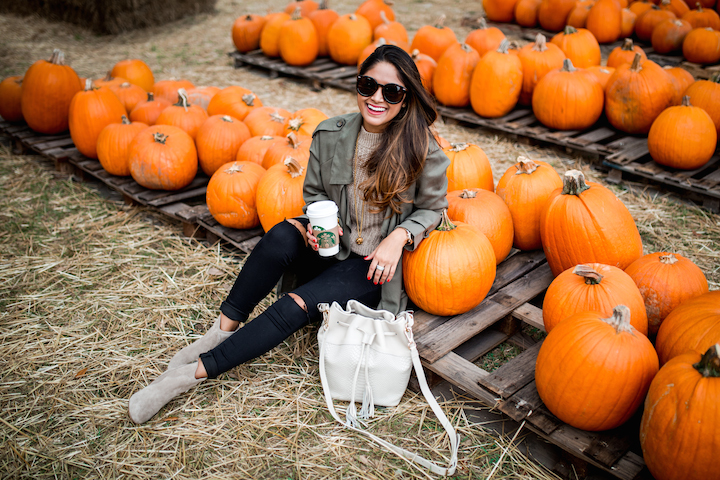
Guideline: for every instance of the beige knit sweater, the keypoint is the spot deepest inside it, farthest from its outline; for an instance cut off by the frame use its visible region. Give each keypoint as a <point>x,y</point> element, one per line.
<point>371,223</point>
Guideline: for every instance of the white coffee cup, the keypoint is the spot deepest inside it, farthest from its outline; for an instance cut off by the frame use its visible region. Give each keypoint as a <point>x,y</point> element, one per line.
<point>324,221</point>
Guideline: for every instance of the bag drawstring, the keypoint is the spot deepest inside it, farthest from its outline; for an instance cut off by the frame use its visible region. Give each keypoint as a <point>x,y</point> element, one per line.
<point>351,414</point>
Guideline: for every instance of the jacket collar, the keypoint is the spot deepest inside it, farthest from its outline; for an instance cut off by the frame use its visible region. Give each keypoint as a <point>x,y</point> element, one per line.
<point>341,172</point>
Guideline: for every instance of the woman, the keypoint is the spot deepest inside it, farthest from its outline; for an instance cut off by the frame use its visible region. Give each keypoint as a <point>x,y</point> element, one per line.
<point>386,173</point>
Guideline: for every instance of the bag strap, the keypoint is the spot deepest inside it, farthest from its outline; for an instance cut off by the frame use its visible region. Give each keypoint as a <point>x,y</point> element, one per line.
<point>412,457</point>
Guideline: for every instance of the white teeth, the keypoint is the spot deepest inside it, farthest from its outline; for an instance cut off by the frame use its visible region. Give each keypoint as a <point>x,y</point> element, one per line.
<point>376,109</point>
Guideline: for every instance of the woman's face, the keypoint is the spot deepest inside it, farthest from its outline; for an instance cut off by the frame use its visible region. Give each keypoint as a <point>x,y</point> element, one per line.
<point>376,112</point>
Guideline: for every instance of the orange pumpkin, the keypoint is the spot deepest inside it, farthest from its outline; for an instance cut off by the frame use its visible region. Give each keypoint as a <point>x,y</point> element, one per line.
<point>706,95</point>
<point>451,82</point>
<point>303,122</point>
<point>538,59</point>
<point>625,53</point>
<point>279,193</point>
<point>90,112</point>
<point>640,6</point>
<point>692,325</point>
<point>426,65</point>
<point>669,35</point>
<point>298,42</point>
<point>682,79</point>
<point>109,81</point>
<point>266,121</point>
<point>47,90</point>
<point>136,72</point>
<point>682,137</point>
<point>113,145</point>
<point>183,115</point>
<point>391,30</point>
<point>601,74</point>
<point>129,95</point>
<point>168,89</point>
<point>270,35</point>
<point>665,281</point>
<point>452,255</point>
<point>568,99</point>
<point>593,287</point>
<point>496,83</point>
<point>648,20</point>
<point>678,7</point>
<point>702,17</point>
<point>524,188</point>
<point>484,39</point>
<point>628,23</point>
<point>10,93</point>
<point>552,14</point>
<point>246,32</point>
<point>163,157</point>
<point>306,7</point>
<point>433,40</point>
<point>679,431</point>
<point>636,94</point>
<point>322,19</point>
<point>201,96</point>
<point>587,223</point>
<point>347,38</point>
<point>469,168</point>
<point>526,12</point>
<point>231,194</point>
<point>702,45</point>
<point>579,45</point>
<point>367,51</point>
<point>293,146</point>
<point>604,21</point>
<point>254,149</point>
<point>371,10</point>
<point>499,10</point>
<point>148,111</point>
<point>218,141</point>
<point>234,101</point>
<point>593,372</point>
<point>578,15</point>
<point>486,211</point>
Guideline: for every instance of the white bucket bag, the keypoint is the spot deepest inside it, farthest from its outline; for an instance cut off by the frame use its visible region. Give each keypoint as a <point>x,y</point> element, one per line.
<point>366,357</point>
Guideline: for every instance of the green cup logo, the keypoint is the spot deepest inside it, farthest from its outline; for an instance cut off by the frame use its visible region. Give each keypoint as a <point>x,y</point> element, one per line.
<point>326,239</point>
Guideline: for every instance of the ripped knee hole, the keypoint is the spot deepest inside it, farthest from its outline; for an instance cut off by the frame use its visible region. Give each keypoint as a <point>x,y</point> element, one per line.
<point>298,300</point>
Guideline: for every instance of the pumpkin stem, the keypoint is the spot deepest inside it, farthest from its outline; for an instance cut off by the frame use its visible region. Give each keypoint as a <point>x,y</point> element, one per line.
<point>160,137</point>
<point>466,48</point>
<point>440,22</point>
<point>352,17</point>
<point>568,66</point>
<point>323,5</point>
<point>88,84</point>
<point>569,30</point>
<point>249,98</point>
<point>458,147</point>
<point>57,57</point>
<point>125,85</point>
<point>293,140</point>
<point>635,67</point>
<point>620,319</point>
<point>628,45</point>
<point>276,117</point>
<point>699,7</point>
<point>504,46</point>
<point>380,41</point>
<point>540,43</point>
<point>248,18</point>
<point>526,166</point>
<point>227,118</point>
<point>715,78</point>
<point>182,99</point>
<point>125,120</point>
<point>384,18</point>
<point>108,77</point>
<point>574,183</point>
<point>668,259</point>
<point>296,15</point>
<point>686,101</point>
<point>151,96</point>
<point>267,137</point>
<point>445,224</point>
<point>234,168</point>
<point>591,276</point>
<point>665,3</point>
<point>468,193</point>
<point>483,24</point>
<point>294,167</point>
<point>709,364</point>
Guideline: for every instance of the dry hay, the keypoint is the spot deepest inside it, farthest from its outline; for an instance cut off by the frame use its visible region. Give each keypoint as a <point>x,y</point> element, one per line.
<point>97,296</point>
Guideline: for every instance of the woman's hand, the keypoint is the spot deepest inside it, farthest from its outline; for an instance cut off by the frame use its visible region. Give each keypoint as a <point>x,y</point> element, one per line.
<point>312,240</point>
<point>386,256</point>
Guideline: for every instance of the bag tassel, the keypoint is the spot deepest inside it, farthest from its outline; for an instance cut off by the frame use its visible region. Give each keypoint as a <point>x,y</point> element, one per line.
<point>368,406</point>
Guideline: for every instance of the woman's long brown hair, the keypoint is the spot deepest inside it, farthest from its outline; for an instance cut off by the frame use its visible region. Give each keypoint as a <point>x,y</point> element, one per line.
<point>400,155</point>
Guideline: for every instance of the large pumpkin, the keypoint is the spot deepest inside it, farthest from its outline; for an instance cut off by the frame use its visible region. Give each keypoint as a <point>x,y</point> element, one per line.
<point>293,146</point>
<point>254,149</point>
<point>113,145</point>
<point>451,271</point>
<point>372,10</point>
<point>266,121</point>
<point>579,45</point>
<point>347,38</point>
<point>246,32</point>
<point>702,45</point>
<point>147,111</point>
<point>693,325</point>
<point>669,35</point>
<point>526,12</point>
<point>433,40</point>
<point>183,115</point>
<point>593,287</point>
<point>702,17</point>
<point>706,95</point>
<point>682,79</point>
<point>235,101</point>
<point>469,168</point>
<point>298,42</point>
<point>484,39</point>
<point>486,211</point>
<point>10,92</point>
<point>391,31</point>
<point>231,194</point>
<point>303,122</point>
<point>665,281</point>
<point>129,95</point>
<point>625,53</point>
<point>306,7</point>
<point>270,35</point>
<point>163,157</point>
<point>218,141</point>
<point>568,99</point>
<point>451,82</point>
<point>136,72</point>
<point>587,223</point>
<point>552,14</point>
<point>538,59</point>
<point>90,112</point>
<point>499,10</point>
<point>322,19</point>
<point>649,19</point>
<point>593,372</point>
<point>605,21</point>
<point>279,193</point>
<point>496,82</point>
<point>169,89</point>
<point>524,188</point>
<point>48,88</point>
<point>680,431</point>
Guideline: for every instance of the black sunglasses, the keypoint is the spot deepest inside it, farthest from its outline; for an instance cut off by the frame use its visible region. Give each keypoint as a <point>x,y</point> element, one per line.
<point>391,92</point>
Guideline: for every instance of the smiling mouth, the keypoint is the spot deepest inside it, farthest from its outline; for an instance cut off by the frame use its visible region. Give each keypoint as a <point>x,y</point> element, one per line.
<point>375,109</point>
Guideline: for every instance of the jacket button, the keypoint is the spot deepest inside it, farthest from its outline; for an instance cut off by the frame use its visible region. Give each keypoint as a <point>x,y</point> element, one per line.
<point>340,123</point>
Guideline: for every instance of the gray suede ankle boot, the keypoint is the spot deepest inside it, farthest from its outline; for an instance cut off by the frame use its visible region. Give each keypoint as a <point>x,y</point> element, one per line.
<point>207,342</point>
<point>143,405</point>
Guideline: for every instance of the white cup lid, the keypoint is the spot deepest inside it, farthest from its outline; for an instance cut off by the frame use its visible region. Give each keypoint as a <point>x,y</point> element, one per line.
<point>323,208</point>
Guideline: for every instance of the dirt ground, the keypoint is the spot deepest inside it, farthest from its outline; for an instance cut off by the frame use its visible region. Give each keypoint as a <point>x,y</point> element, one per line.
<point>98,297</point>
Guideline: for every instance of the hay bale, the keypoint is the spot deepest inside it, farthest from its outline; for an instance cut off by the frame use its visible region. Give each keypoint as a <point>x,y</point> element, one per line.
<point>114,17</point>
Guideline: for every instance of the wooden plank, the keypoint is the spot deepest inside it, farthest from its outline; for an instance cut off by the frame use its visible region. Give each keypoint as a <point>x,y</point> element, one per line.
<point>527,404</point>
<point>515,374</point>
<point>466,375</point>
<point>530,314</point>
<point>481,344</point>
<point>592,136</point>
<point>462,327</point>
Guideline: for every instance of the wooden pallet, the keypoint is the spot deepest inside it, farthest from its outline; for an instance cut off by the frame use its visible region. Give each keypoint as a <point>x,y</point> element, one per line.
<point>701,185</point>
<point>449,346</point>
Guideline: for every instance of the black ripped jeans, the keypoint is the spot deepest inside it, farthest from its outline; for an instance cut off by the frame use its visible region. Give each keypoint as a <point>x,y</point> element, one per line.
<point>322,280</point>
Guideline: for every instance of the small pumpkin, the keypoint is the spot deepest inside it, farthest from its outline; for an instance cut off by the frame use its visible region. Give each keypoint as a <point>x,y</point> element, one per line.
<point>682,137</point>
<point>129,95</point>
<point>451,82</point>
<point>496,82</point>
<point>604,21</point>
<point>266,121</point>
<point>306,7</point>
<point>298,41</point>
<point>587,223</point>
<point>682,80</point>
<point>433,40</point>
<point>322,19</point>
<point>270,35</point>
<point>231,194</point>
<point>702,45</point>
<point>90,112</point>
<point>246,32</point>
<point>578,15</point>
<point>184,115</point>
<point>163,157</point>
<point>678,7</point>
<point>218,140</point>
<point>113,145</point>
<point>109,81</point>
<point>679,431</point>
<point>279,193</point>
<point>426,65</point>
<point>148,111</point>
<point>484,39</point>
<point>627,26</point>
<point>593,372</point>
<point>593,287</point>
<point>706,95</point>
<point>136,72</point>
<point>254,149</point>
<point>297,147</point>
<point>347,38</point>
<point>665,280</point>
<point>234,101</point>
<point>669,35</point>
<point>552,14</point>
<point>538,59</point>
<point>453,254</point>
<point>168,89</point>
<point>303,122</point>
<point>10,93</point>
<point>526,12</point>
<point>601,74</point>
<point>469,168</point>
<point>202,95</point>
<point>625,53</point>
<point>499,10</point>
<point>371,10</point>
<point>391,30</point>
<point>579,45</point>
<point>486,211</point>
<point>648,20</point>
<point>702,17</point>
<point>640,6</point>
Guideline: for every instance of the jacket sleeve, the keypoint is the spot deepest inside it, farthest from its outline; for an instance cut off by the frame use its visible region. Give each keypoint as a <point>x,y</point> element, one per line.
<point>313,189</point>
<point>430,197</point>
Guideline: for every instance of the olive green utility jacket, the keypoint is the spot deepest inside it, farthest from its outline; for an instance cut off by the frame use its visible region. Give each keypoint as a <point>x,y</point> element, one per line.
<point>330,172</point>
